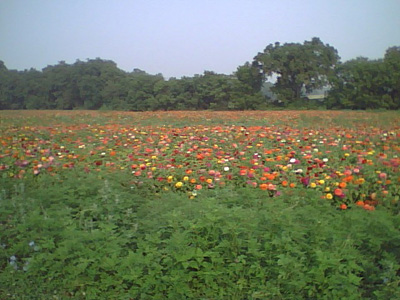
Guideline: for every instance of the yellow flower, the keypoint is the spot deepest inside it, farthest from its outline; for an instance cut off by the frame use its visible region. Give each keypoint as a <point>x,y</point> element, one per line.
<point>178,184</point>
<point>313,185</point>
<point>321,181</point>
<point>209,180</point>
<point>169,178</point>
<point>329,196</point>
<point>185,178</point>
<point>327,189</point>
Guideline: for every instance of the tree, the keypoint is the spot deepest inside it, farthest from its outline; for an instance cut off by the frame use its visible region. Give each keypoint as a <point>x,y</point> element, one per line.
<point>250,76</point>
<point>297,66</point>
<point>366,84</point>
<point>392,66</point>
<point>141,93</point>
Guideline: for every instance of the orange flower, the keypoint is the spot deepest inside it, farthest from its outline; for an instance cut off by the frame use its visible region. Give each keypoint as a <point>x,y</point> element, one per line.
<point>285,183</point>
<point>264,186</point>
<point>338,192</point>
<point>343,206</point>
<point>242,172</point>
<point>369,207</point>
<point>348,178</point>
<point>292,185</point>
<point>342,185</point>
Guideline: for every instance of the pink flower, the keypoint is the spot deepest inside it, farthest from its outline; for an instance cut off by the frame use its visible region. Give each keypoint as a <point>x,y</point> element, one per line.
<point>382,175</point>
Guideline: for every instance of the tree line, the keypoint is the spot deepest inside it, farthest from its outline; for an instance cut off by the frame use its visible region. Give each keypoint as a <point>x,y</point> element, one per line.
<point>296,69</point>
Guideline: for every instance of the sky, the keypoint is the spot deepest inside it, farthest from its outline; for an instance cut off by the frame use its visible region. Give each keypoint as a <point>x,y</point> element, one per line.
<point>186,37</point>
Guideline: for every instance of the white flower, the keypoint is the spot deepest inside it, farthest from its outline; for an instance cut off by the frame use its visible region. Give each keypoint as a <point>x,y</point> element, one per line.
<point>292,160</point>
<point>325,159</point>
<point>298,171</point>
<point>226,169</point>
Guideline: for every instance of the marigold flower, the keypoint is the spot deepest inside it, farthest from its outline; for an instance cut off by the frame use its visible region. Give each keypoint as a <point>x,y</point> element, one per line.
<point>369,207</point>
<point>338,192</point>
<point>360,181</point>
<point>178,184</point>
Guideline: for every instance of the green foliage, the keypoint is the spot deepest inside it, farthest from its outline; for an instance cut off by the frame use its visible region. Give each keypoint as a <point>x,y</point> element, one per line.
<point>82,236</point>
<point>367,84</point>
<point>297,66</point>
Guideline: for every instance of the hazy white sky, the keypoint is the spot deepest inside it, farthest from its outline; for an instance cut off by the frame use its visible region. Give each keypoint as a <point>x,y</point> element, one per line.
<point>185,37</point>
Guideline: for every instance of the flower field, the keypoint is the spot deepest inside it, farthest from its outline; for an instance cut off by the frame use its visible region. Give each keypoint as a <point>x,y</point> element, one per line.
<point>127,204</point>
<point>355,163</point>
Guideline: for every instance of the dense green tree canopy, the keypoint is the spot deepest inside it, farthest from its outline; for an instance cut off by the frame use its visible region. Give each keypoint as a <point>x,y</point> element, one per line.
<point>362,83</point>
<point>298,69</point>
<point>297,66</point>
